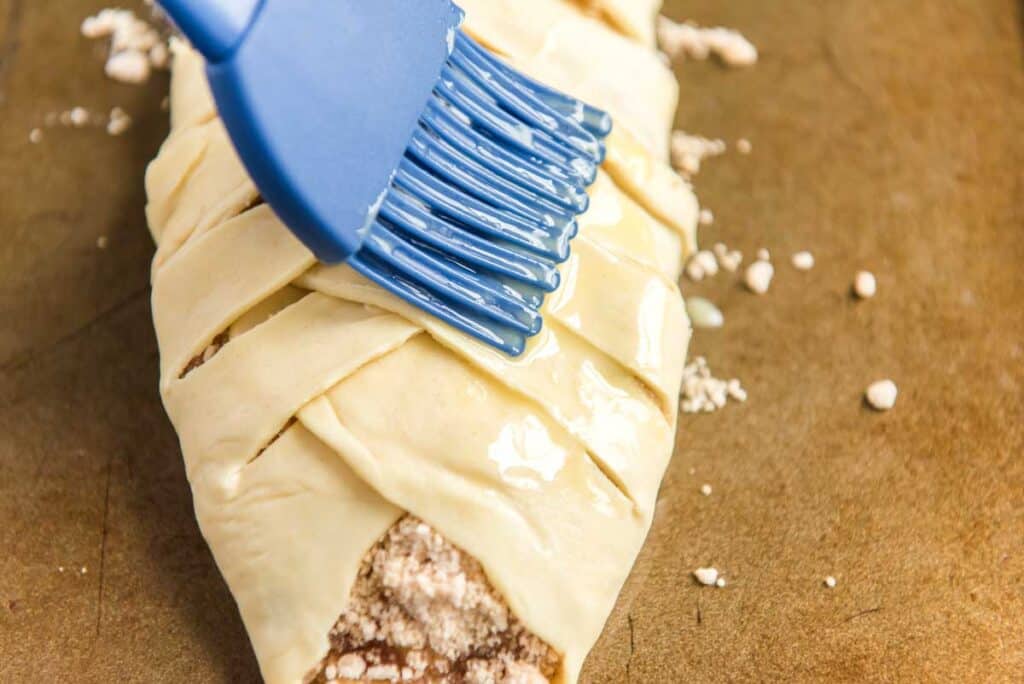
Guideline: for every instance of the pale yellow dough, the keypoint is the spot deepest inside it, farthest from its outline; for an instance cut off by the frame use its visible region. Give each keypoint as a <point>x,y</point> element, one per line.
<point>544,468</point>
<point>636,18</point>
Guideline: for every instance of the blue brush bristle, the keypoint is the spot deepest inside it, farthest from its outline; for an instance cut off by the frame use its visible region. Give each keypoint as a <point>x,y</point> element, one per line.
<point>482,209</point>
<point>387,139</point>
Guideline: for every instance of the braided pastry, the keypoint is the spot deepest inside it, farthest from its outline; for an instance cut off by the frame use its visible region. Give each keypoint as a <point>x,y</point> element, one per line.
<point>387,499</point>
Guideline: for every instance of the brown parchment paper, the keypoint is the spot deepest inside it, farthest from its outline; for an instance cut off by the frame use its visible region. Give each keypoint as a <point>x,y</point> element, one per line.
<point>887,135</point>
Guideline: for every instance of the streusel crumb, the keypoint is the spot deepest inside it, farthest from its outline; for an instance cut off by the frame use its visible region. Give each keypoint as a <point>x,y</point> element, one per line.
<point>423,611</point>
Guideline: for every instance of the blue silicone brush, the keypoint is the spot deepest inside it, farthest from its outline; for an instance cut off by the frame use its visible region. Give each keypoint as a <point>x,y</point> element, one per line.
<point>384,137</point>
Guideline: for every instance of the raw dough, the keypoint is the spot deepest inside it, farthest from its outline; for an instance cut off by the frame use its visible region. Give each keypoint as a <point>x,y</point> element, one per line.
<point>335,408</point>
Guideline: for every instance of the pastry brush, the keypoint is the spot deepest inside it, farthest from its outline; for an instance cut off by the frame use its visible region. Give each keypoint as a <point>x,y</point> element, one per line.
<point>384,137</point>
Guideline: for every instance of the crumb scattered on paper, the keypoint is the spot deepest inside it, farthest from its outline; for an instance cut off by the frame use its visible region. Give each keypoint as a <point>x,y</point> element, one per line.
<point>803,261</point>
<point>690,151</point>
<point>743,146</point>
<point>758,277</point>
<point>115,123</point>
<point>704,393</point>
<point>701,265</point>
<point>691,41</point>
<point>707,262</point>
<point>865,285</point>
<point>78,117</point>
<point>706,576</point>
<point>882,395</point>
<point>128,67</point>
<point>729,259</point>
<point>830,582</point>
<point>136,47</point>
<point>119,121</point>
<point>703,313</point>
<point>705,489</point>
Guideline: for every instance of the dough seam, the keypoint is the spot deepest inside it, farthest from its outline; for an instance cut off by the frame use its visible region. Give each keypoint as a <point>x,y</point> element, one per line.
<point>392,304</point>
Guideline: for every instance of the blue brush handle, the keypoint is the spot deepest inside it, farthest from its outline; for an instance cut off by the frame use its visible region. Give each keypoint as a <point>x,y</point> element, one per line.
<point>214,27</point>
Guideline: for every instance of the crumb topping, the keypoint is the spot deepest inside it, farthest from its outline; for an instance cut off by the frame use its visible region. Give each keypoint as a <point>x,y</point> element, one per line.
<point>423,611</point>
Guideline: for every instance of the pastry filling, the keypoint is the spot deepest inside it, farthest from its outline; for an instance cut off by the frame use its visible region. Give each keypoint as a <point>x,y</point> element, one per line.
<point>423,611</point>
<point>199,359</point>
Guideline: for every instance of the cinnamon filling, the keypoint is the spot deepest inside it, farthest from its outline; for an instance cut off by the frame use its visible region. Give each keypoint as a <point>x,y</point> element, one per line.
<point>423,611</point>
<point>199,359</point>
